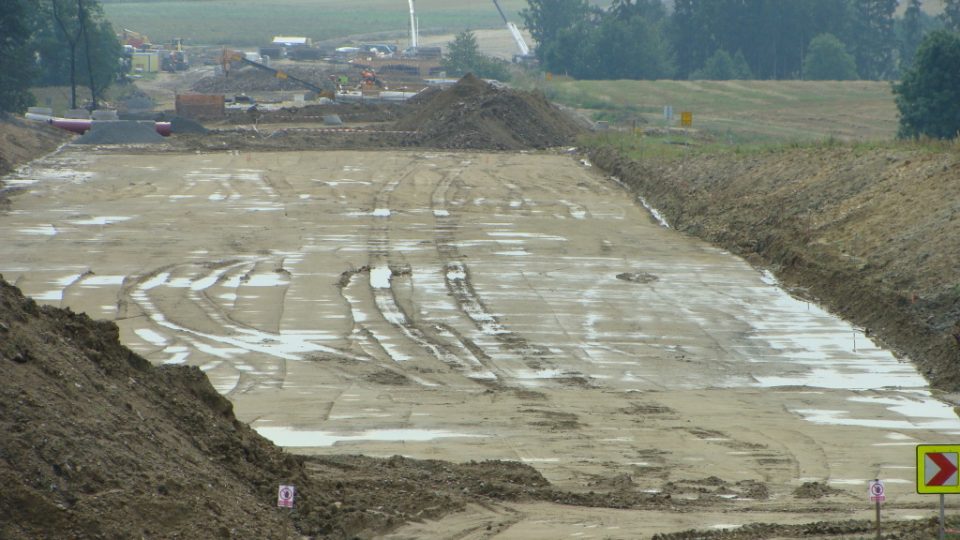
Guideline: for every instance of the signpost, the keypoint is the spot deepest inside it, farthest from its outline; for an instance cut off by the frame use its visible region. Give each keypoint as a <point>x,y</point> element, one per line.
<point>686,119</point>
<point>937,473</point>
<point>877,495</point>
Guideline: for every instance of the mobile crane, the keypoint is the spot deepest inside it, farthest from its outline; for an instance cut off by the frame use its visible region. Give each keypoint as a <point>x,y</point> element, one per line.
<point>524,57</point>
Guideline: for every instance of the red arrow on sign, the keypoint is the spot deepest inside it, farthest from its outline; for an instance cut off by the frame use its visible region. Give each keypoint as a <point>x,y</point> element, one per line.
<point>947,469</point>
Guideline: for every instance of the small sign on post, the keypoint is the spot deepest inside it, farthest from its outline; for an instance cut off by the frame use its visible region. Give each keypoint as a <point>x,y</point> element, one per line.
<point>668,113</point>
<point>686,119</point>
<point>877,495</point>
<point>285,496</point>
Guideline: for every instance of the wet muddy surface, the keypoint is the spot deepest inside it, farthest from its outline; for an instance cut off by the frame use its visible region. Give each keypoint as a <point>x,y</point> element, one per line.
<point>471,306</point>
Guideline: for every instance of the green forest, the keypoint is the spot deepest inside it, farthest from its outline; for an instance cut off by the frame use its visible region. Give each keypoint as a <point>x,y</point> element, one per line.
<point>732,39</point>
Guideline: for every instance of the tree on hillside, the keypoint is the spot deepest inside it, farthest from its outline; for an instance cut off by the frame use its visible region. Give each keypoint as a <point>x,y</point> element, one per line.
<point>463,56</point>
<point>71,25</point>
<point>828,60</point>
<point>688,41</point>
<point>631,47</point>
<point>871,38</point>
<point>911,32</point>
<point>623,42</point>
<point>928,97</point>
<point>16,61</point>
<point>545,19</point>
<point>951,14</point>
<point>772,34</point>
<point>723,67</point>
<point>74,42</point>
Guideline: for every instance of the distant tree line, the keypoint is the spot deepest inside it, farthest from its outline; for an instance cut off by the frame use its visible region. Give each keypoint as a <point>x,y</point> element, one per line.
<point>55,43</point>
<point>731,39</point>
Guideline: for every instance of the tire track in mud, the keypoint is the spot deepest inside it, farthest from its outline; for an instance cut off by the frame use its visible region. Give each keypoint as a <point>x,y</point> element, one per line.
<point>459,283</point>
<point>382,271</point>
<point>233,339</point>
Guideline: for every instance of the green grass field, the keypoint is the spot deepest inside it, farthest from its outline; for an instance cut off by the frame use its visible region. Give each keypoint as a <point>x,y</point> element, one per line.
<point>255,22</point>
<point>741,111</point>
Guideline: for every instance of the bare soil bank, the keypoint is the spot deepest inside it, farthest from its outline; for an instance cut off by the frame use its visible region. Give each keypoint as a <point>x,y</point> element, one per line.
<point>22,141</point>
<point>870,233</point>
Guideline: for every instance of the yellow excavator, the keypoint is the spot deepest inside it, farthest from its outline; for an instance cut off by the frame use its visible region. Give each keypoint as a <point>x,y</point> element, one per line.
<point>230,56</point>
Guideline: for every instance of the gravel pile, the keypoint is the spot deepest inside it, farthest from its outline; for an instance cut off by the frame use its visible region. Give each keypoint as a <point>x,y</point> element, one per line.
<point>121,132</point>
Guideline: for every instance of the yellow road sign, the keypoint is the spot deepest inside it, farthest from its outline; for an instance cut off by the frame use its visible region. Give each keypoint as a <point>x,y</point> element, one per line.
<point>937,468</point>
<point>686,119</point>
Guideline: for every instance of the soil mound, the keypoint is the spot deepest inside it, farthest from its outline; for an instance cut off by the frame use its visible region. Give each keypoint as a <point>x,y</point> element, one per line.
<point>348,112</point>
<point>476,115</point>
<point>179,124</point>
<point>98,443</point>
<point>121,132</point>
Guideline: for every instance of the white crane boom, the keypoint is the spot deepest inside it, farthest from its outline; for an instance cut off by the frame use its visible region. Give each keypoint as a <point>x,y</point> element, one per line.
<point>514,31</point>
<point>518,37</point>
<point>414,38</point>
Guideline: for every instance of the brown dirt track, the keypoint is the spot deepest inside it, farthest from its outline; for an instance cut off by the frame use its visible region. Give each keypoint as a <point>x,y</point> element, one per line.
<point>107,446</point>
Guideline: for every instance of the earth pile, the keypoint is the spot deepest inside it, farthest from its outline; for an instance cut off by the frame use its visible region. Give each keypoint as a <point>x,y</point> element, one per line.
<point>476,115</point>
<point>98,443</point>
<point>121,132</point>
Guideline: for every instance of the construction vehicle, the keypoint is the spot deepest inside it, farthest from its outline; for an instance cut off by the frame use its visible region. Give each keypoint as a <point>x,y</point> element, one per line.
<point>134,39</point>
<point>238,56</point>
<point>525,57</point>
<point>176,60</point>
<point>369,79</point>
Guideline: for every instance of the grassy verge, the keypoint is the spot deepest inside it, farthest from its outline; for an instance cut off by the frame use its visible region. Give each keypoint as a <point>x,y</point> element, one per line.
<point>739,112</point>
<point>254,22</point>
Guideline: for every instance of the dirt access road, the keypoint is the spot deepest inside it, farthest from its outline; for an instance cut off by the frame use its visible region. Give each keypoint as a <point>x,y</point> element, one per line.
<point>470,306</point>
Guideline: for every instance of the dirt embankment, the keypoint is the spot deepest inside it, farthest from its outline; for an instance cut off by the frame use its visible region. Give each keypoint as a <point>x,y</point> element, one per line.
<point>22,141</point>
<point>872,233</point>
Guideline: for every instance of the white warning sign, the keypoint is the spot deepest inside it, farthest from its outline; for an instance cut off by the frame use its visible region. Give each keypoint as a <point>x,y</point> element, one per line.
<point>285,497</point>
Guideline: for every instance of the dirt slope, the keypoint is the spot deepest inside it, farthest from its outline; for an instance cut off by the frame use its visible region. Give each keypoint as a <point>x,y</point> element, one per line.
<point>872,233</point>
<point>101,444</point>
<point>22,141</point>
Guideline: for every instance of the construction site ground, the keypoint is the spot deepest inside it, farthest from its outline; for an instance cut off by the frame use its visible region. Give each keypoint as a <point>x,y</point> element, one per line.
<point>470,305</point>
